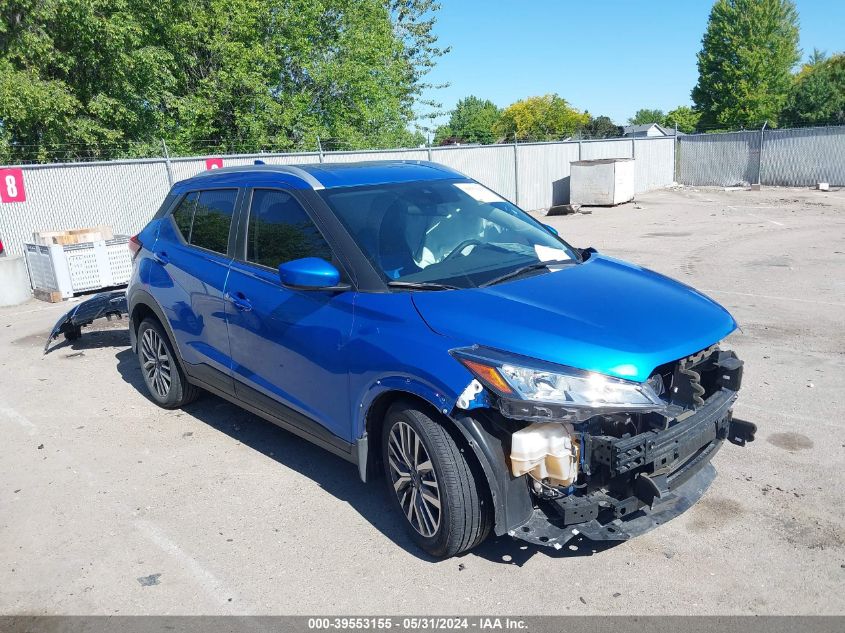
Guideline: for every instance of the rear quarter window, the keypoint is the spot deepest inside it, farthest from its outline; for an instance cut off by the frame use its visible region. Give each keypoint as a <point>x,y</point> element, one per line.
<point>183,215</point>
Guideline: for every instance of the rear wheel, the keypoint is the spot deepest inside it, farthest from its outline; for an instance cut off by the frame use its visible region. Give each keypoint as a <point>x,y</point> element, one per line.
<point>444,505</point>
<point>163,377</point>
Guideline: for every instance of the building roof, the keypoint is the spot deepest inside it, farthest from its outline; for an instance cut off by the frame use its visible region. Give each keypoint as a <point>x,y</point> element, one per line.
<point>628,130</point>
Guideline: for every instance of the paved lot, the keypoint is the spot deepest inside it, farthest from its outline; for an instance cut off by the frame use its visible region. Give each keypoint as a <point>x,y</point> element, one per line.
<point>111,505</point>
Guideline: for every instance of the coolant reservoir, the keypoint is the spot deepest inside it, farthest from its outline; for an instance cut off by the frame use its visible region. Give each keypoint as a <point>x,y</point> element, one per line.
<point>546,449</point>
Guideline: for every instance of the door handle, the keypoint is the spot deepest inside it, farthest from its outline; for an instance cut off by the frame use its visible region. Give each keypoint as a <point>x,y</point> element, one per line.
<point>239,301</point>
<point>161,257</point>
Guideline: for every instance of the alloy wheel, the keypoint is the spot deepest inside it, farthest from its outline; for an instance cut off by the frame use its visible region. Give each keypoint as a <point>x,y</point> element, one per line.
<point>156,363</point>
<point>414,479</point>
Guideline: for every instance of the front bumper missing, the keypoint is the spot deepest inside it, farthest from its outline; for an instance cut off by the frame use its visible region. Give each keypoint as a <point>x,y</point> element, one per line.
<point>666,449</point>
<point>541,529</point>
<point>655,476</point>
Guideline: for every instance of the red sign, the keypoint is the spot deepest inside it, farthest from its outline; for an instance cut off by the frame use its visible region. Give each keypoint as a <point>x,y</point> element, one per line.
<point>213,163</point>
<point>11,185</point>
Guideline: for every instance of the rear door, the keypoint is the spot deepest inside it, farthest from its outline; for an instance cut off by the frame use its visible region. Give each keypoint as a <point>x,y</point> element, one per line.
<point>288,346</point>
<point>194,249</point>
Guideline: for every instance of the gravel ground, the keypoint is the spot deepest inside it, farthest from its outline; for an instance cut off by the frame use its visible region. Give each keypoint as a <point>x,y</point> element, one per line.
<point>109,505</point>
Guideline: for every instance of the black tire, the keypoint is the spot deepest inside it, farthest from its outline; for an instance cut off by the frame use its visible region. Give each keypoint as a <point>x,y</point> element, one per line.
<point>465,514</point>
<point>165,381</point>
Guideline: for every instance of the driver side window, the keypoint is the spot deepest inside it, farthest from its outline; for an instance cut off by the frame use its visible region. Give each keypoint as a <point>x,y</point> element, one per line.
<point>280,230</point>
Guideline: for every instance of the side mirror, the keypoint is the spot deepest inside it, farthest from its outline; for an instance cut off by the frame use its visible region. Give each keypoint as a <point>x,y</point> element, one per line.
<point>551,229</point>
<point>309,273</point>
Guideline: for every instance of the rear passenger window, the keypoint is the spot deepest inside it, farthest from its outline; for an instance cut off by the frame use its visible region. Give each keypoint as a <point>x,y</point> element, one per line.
<point>212,219</point>
<point>280,231</point>
<point>204,218</point>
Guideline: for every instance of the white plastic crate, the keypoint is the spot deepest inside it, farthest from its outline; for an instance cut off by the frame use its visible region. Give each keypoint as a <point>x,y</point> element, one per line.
<point>75,268</point>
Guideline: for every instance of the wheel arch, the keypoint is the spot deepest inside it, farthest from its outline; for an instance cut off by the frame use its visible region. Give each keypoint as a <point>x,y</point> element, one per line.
<point>374,423</point>
<point>142,305</point>
<point>510,498</point>
<point>139,313</point>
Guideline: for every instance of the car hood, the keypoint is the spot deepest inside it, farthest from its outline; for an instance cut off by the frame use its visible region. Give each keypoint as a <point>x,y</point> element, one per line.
<point>604,315</point>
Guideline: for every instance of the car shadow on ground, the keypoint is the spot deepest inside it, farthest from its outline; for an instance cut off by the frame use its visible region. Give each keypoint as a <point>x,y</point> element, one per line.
<point>336,476</point>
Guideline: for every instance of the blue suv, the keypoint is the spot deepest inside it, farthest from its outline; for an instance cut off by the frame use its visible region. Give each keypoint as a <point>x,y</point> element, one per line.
<point>414,322</point>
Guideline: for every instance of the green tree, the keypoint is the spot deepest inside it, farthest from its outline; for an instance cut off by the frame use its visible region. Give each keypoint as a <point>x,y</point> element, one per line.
<point>684,118</point>
<point>545,118</point>
<point>818,94</point>
<point>816,57</point>
<point>601,127</point>
<point>414,22</point>
<point>78,72</point>
<point>277,74</point>
<point>110,78</point>
<point>443,135</point>
<point>645,116</point>
<point>745,63</point>
<point>471,121</point>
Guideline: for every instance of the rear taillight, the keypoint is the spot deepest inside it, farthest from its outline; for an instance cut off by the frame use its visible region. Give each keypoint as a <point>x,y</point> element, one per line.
<point>1,247</point>
<point>134,246</point>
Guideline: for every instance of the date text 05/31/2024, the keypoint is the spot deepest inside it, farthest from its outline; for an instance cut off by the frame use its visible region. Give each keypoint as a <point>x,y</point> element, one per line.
<point>416,623</point>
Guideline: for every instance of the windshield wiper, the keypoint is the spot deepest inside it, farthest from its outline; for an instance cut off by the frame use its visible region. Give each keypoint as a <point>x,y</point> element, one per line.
<point>524,269</point>
<point>421,285</point>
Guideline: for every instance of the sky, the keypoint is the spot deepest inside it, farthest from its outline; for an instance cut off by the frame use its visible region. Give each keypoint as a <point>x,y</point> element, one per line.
<point>609,57</point>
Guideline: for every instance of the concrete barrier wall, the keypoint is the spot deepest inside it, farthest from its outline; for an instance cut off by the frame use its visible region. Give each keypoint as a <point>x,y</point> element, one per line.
<point>14,281</point>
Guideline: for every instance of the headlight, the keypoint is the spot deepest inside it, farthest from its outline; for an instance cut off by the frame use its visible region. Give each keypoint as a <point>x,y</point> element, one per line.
<point>533,390</point>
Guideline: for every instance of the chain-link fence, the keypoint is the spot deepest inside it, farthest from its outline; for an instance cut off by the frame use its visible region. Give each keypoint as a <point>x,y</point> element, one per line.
<point>125,194</point>
<point>804,156</point>
<point>789,157</point>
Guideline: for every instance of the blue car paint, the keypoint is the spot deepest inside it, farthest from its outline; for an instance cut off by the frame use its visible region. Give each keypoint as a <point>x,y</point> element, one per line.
<point>309,272</point>
<point>331,355</point>
<point>392,349</point>
<point>603,315</point>
<point>292,345</point>
<point>325,175</point>
<point>149,233</point>
<point>255,176</point>
<point>331,175</point>
<point>190,291</point>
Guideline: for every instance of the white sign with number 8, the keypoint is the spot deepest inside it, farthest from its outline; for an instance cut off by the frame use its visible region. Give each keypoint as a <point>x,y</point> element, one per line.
<point>11,186</point>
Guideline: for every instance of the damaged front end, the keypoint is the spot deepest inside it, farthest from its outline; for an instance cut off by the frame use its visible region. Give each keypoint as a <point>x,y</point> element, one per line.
<point>603,457</point>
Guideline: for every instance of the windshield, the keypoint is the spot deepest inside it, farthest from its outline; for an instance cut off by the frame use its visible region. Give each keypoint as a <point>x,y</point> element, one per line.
<point>449,232</point>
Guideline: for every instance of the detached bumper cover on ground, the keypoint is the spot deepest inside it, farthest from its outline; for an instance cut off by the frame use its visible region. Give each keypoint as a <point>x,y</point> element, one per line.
<point>104,304</point>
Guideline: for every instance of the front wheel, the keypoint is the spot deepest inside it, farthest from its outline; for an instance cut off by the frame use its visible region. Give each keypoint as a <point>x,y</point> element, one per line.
<point>445,505</point>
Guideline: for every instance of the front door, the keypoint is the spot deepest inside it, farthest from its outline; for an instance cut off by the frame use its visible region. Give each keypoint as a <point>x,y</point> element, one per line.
<point>288,346</point>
